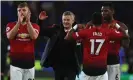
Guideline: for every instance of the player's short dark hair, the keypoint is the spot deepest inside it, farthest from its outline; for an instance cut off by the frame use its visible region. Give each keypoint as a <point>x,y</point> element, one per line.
<point>97,18</point>
<point>24,4</point>
<point>108,4</point>
<point>68,13</point>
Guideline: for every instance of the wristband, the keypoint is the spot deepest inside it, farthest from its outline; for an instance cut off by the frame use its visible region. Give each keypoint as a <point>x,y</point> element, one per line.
<point>126,31</point>
<point>117,26</point>
<point>75,27</point>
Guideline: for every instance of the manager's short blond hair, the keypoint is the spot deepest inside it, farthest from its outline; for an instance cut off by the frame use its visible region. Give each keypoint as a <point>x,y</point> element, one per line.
<point>69,13</point>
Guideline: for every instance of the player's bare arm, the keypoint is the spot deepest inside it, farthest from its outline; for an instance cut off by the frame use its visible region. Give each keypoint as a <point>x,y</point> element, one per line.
<point>125,41</point>
<point>32,31</point>
<point>118,26</point>
<point>81,27</point>
<point>89,24</point>
<point>11,34</point>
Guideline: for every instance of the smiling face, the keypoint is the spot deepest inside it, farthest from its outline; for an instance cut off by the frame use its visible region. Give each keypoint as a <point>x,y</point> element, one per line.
<point>67,21</point>
<point>68,18</point>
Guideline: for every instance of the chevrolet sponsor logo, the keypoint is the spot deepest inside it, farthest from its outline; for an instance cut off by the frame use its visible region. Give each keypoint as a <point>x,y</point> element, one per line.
<point>23,35</point>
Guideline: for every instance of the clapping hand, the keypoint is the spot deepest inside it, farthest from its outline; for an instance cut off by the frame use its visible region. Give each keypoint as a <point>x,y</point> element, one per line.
<point>20,17</point>
<point>28,17</point>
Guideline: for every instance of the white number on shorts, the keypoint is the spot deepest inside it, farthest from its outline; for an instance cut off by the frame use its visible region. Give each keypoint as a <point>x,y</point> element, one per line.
<point>101,41</point>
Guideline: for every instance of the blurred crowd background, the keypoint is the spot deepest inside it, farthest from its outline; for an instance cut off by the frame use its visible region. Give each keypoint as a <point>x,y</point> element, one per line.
<point>83,11</point>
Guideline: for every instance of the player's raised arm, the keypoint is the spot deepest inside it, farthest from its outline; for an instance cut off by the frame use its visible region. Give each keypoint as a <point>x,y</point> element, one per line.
<point>89,25</point>
<point>125,34</point>
<point>115,34</point>
<point>11,29</point>
<point>33,31</point>
<point>125,41</point>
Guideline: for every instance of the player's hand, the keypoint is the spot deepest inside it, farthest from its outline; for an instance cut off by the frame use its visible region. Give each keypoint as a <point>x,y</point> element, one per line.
<point>43,15</point>
<point>20,17</point>
<point>81,26</point>
<point>89,24</point>
<point>28,17</point>
<point>112,25</point>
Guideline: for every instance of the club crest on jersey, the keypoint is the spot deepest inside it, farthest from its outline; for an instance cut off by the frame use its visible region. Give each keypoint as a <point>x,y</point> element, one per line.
<point>23,35</point>
<point>7,29</point>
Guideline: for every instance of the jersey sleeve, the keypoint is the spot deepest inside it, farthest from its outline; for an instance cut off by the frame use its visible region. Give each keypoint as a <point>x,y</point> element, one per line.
<point>36,27</point>
<point>9,27</point>
<point>79,35</point>
<point>115,34</point>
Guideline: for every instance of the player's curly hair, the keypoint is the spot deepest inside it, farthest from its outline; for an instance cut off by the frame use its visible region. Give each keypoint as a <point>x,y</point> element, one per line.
<point>97,18</point>
<point>108,4</point>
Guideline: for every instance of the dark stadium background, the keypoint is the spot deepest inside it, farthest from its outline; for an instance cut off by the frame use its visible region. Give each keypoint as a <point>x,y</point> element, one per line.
<point>83,11</point>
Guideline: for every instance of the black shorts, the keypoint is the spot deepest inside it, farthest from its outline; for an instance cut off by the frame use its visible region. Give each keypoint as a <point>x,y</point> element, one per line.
<point>113,59</point>
<point>94,71</point>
